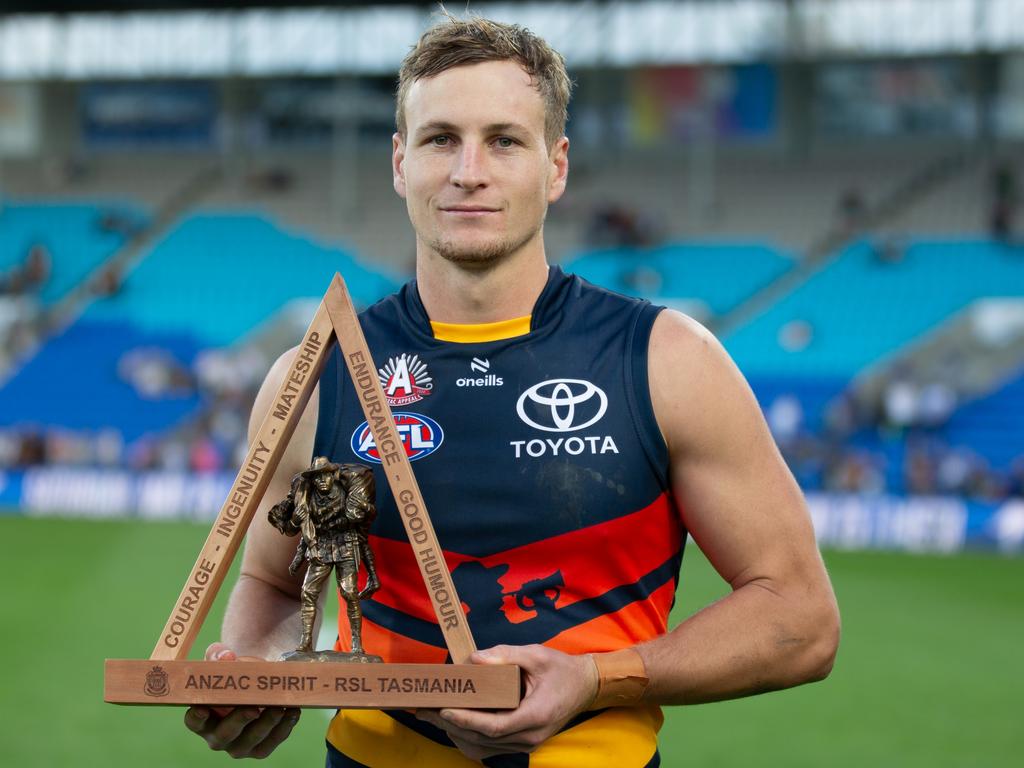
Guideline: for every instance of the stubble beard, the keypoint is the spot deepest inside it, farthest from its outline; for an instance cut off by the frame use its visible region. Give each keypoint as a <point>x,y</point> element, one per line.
<point>481,257</point>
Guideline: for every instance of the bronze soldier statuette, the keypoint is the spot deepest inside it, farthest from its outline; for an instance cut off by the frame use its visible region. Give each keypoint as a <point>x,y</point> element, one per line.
<point>332,507</point>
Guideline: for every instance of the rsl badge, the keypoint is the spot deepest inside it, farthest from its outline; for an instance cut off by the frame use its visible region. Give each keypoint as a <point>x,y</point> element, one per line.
<point>156,682</point>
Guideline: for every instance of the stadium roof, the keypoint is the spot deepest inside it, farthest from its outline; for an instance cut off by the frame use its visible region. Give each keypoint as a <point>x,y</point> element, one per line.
<point>236,39</point>
<point>108,6</point>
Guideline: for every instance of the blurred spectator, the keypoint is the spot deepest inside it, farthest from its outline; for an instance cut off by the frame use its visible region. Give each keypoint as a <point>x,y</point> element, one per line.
<point>855,473</point>
<point>107,282</point>
<point>65,171</point>
<point>1005,198</point>
<point>796,335</point>
<point>37,269</point>
<point>1015,482</point>
<point>204,456</point>
<point>111,221</point>
<point>843,416</point>
<point>919,470</point>
<point>889,249</point>
<point>785,418</point>
<point>32,451</point>
<point>936,403</point>
<point>616,225</point>
<point>153,373</point>
<point>955,469</point>
<point>901,404</point>
<point>275,181</point>
<point>644,280</point>
<point>31,275</point>
<point>109,448</point>
<point>851,210</point>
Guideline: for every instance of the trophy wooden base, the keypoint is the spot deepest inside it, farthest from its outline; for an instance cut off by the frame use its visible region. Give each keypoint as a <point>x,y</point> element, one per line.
<point>310,684</point>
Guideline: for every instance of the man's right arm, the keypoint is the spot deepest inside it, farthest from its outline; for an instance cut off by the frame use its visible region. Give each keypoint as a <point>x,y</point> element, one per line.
<point>262,619</point>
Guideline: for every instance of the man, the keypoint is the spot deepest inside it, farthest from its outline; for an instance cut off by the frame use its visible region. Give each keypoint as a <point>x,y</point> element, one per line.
<point>569,441</point>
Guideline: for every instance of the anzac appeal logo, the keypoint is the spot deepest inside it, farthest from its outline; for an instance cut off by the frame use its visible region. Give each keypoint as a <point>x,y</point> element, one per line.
<point>421,436</point>
<point>405,380</point>
<point>156,682</point>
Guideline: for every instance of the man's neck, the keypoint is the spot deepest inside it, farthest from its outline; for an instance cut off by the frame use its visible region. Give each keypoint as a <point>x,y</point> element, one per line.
<point>454,294</point>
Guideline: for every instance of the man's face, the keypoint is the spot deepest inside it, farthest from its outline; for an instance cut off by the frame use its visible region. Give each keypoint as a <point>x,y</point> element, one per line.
<point>323,482</point>
<point>473,167</point>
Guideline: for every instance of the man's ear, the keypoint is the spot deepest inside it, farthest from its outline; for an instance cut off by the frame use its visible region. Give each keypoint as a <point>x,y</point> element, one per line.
<point>559,174</point>
<point>397,164</point>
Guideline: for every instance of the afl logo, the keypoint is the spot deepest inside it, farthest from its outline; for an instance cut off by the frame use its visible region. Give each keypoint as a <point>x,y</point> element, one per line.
<point>562,405</point>
<point>421,436</point>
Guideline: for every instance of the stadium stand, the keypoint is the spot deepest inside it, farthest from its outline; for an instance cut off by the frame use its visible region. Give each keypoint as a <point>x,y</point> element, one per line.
<point>863,306</point>
<point>755,194</point>
<point>145,357</point>
<point>883,283</point>
<point>78,237</point>
<point>993,425</point>
<point>218,276</point>
<point>80,366</point>
<point>712,277</point>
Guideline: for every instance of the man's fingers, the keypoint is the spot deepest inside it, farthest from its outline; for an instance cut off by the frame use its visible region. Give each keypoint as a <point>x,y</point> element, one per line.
<point>500,654</point>
<point>197,719</point>
<point>480,753</point>
<point>256,732</point>
<point>279,733</point>
<point>496,726</point>
<point>219,652</point>
<point>245,731</point>
<point>511,740</point>
<point>224,733</point>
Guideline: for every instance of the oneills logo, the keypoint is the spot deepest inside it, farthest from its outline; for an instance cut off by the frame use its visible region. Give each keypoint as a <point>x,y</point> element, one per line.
<point>405,380</point>
<point>156,682</point>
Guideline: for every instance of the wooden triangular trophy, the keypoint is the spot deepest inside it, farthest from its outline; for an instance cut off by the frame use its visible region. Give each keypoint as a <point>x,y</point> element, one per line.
<point>169,678</point>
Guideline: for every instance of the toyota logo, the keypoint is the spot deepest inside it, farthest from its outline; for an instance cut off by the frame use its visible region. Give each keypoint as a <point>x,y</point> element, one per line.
<point>562,405</point>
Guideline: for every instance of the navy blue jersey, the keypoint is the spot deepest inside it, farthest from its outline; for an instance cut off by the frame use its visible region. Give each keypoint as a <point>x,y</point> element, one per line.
<point>544,473</point>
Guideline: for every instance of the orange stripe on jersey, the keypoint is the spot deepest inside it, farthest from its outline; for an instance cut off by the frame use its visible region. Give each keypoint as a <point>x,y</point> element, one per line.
<point>540,591</point>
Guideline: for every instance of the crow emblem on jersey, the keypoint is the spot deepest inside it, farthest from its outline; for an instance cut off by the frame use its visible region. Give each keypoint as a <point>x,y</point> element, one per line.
<point>405,380</point>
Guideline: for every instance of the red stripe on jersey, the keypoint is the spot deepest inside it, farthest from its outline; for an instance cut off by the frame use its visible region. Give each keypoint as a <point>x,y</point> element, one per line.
<point>632,546</point>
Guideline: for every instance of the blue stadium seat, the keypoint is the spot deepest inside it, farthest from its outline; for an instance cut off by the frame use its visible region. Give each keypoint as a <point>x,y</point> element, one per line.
<point>993,426</point>
<point>72,383</point>
<point>719,275</point>
<point>71,234</point>
<point>213,279</point>
<point>218,276</point>
<point>862,310</point>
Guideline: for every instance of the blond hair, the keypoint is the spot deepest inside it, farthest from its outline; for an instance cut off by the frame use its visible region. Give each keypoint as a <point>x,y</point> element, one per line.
<point>455,42</point>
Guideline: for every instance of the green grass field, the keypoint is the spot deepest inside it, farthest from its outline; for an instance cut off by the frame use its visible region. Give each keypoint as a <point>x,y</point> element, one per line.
<point>929,672</point>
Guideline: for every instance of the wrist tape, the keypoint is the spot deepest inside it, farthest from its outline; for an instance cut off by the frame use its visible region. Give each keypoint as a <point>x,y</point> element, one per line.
<point>621,679</point>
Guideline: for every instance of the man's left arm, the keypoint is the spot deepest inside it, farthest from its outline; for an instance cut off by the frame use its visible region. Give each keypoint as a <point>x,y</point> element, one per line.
<point>778,627</point>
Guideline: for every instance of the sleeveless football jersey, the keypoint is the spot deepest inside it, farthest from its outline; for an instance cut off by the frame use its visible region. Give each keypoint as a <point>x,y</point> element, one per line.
<point>546,479</point>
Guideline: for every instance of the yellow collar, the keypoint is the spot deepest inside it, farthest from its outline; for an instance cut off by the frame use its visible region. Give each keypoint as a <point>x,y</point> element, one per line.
<point>477,332</point>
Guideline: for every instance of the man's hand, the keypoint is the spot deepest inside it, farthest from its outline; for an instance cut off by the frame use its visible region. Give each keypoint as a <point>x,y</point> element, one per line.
<point>240,731</point>
<point>372,585</point>
<point>558,687</point>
